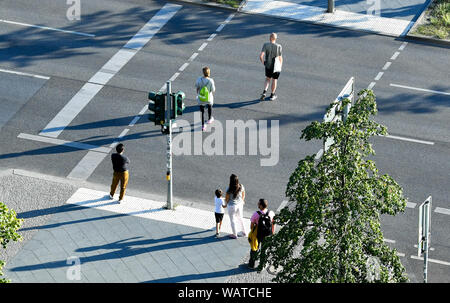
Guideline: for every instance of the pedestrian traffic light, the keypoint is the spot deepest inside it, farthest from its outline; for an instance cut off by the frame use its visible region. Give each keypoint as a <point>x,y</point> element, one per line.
<point>157,105</point>
<point>177,104</point>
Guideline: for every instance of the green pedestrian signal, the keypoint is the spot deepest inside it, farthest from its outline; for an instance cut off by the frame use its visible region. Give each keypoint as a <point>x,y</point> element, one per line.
<point>177,104</point>
<point>157,107</point>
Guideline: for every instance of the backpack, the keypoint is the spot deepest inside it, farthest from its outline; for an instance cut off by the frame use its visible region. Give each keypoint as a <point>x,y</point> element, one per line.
<point>203,94</point>
<point>264,226</point>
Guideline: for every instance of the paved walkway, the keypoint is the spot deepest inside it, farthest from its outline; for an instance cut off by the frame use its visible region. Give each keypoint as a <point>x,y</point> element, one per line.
<point>137,241</point>
<point>400,19</point>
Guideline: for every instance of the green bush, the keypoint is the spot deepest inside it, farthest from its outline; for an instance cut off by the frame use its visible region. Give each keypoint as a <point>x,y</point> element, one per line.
<point>9,224</point>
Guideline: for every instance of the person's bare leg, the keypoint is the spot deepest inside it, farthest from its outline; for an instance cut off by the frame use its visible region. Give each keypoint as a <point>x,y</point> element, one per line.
<point>266,84</point>
<point>274,85</point>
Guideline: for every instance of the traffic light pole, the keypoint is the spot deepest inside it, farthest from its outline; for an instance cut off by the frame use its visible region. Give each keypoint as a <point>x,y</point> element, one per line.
<point>169,147</point>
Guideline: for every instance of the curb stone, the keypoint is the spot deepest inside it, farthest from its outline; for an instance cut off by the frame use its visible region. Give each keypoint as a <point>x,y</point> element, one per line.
<point>423,38</point>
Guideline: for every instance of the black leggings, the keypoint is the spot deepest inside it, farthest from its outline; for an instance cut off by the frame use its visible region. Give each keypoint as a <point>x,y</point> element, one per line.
<point>202,109</point>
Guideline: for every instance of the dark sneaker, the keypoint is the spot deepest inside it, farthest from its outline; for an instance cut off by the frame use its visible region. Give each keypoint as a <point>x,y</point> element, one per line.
<point>273,97</point>
<point>263,97</point>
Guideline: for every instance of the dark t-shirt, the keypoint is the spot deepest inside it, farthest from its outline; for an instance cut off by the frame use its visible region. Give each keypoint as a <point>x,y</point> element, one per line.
<point>120,163</point>
<point>271,50</point>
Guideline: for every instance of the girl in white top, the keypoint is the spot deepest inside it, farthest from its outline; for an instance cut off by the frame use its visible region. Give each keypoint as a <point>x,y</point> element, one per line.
<point>219,202</point>
<point>207,81</point>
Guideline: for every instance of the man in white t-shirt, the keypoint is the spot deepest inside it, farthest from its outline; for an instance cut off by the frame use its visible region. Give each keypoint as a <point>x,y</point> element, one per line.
<point>262,205</point>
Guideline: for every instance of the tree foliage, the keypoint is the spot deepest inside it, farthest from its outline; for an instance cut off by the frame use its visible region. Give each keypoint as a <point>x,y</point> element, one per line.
<point>9,224</point>
<point>330,231</point>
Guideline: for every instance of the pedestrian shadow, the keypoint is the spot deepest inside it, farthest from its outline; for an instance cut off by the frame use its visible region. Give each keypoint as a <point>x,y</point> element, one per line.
<point>242,268</point>
<point>195,108</point>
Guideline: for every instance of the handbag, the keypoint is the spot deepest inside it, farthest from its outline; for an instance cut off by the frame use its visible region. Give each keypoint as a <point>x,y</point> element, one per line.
<point>277,65</point>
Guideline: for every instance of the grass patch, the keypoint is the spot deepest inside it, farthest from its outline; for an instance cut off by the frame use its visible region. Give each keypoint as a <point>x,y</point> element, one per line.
<point>232,3</point>
<point>437,20</point>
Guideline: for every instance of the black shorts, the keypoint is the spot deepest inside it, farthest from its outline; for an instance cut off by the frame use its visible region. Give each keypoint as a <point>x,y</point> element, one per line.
<point>271,74</point>
<point>219,217</point>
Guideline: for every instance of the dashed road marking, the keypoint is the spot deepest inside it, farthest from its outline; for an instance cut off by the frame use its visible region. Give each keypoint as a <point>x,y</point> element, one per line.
<point>386,66</point>
<point>202,47</point>
<point>378,77</point>
<point>442,210</point>
<point>395,55</point>
<point>431,260</point>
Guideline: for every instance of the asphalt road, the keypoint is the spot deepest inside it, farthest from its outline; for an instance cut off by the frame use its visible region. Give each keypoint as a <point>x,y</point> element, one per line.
<point>318,62</point>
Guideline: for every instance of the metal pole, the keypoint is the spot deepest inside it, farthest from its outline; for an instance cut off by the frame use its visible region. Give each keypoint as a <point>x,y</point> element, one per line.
<point>330,6</point>
<point>169,147</point>
<point>426,240</point>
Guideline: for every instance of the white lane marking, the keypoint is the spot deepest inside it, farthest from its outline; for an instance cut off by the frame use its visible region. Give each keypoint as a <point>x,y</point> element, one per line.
<point>150,209</point>
<point>220,28</point>
<point>192,58</point>
<point>47,28</point>
<point>24,74</point>
<point>174,76</point>
<point>431,260</point>
<point>389,241</point>
<point>411,205</point>
<point>122,57</point>
<point>395,55</point>
<point>378,77</point>
<point>229,18</point>
<point>409,140</point>
<point>401,254</point>
<point>143,110</point>
<point>183,67</point>
<point>124,132</point>
<point>371,85</point>
<point>133,122</point>
<point>420,89</point>
<point>202,47</point>
<point>402,47</point>
<point>442,210</point>
<point>386,66</point>
<point>153,26</point>
<point>319,154</point>
<point>87,165</point>
<point>72,144</point>
<point>213,35</point>
<point>71,110</point>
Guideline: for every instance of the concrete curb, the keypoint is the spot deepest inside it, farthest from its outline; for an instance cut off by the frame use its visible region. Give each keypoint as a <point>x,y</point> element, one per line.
<point>422,38</point>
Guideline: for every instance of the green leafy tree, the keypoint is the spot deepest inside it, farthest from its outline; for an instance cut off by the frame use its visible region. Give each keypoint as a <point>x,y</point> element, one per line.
<point>330,231</point>
<point>9,224</point>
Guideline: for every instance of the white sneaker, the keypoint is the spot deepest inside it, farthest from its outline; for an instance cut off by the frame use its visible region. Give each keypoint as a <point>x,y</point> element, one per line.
<point>210,120</point>
<point>120,201</point>
<point>111,197</point>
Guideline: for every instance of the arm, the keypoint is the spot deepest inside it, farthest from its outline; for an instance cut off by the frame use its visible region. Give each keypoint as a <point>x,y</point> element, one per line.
<point>261,57</point>
<point>227,198</point>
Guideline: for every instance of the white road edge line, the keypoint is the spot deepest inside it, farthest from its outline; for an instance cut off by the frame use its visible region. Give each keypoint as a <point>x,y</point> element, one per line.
<point>24,74</point>
<point>420,89</point>
<point>431,260</point>
<point>409,140</point>
<point>47,28</point>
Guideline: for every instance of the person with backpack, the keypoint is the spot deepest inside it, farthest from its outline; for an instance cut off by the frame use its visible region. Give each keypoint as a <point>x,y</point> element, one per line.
<point>261,222</point>
<point>205,88</point>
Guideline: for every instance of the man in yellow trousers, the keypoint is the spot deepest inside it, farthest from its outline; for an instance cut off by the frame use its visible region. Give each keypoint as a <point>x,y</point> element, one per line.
<point>120,166</point>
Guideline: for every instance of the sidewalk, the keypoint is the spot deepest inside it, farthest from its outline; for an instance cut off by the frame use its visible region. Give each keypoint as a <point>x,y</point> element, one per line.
<point>137,241</point>
<point>396,25</point>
